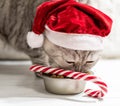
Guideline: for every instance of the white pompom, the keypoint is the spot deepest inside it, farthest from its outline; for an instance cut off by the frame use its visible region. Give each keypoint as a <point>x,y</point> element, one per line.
<point>35,40</point>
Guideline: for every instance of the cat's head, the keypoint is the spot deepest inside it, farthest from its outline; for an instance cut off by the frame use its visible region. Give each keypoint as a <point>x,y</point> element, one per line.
<point>69,27</point>
<point>56,56</point>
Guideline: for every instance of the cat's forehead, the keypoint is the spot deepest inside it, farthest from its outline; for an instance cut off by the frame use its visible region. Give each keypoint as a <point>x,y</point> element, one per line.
<point>81,55</point>
<point>94,55</point>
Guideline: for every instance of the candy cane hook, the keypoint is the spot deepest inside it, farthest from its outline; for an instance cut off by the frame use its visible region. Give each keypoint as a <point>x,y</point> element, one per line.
<point>75,75</point>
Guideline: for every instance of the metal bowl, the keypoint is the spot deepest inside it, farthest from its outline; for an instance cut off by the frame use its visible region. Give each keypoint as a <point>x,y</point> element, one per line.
<point>63,86</point>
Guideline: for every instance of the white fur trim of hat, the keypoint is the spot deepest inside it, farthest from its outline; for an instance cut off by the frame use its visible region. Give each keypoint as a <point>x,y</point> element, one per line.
<point>35,40</point>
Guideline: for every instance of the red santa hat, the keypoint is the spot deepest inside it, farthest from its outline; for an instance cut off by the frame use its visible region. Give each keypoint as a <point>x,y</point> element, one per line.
<point>69,24</point>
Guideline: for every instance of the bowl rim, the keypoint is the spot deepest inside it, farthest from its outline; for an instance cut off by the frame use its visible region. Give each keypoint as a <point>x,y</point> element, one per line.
<point>47,77</point>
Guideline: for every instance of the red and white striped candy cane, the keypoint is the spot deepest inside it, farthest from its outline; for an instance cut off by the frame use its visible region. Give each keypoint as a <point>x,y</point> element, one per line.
<point>75,75</point>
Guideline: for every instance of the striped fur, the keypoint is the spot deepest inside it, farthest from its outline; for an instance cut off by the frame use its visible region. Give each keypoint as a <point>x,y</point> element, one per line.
<point>16,18</point>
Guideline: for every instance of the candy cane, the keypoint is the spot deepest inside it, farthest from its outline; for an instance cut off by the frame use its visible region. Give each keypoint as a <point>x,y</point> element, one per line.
<point>75,75</point>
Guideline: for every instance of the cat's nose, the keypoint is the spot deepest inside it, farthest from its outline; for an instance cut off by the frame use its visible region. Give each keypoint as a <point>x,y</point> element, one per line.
<point>77,67</point>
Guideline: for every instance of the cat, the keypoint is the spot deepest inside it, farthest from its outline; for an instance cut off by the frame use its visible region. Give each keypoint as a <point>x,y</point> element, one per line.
<point>16,18</point>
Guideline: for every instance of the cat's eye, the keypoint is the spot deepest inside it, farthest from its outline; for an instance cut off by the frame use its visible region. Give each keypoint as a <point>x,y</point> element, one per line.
<point>70,62</point>
<point>89,62</point>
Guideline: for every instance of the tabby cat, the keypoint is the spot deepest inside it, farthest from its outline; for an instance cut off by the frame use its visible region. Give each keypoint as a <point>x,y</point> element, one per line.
<point>16,18</point>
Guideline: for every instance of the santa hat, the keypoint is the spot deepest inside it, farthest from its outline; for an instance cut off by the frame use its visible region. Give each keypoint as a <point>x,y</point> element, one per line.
<point>69,24</point>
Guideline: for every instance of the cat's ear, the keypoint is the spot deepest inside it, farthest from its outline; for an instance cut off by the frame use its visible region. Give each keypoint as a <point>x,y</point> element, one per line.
<point>35,40</point>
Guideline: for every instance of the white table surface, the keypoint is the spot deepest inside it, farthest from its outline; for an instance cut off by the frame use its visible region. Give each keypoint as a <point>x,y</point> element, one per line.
<point>19,87</point>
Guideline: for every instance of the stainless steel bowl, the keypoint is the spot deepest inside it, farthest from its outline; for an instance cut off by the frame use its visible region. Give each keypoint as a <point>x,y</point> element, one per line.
<point>63,86</point>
